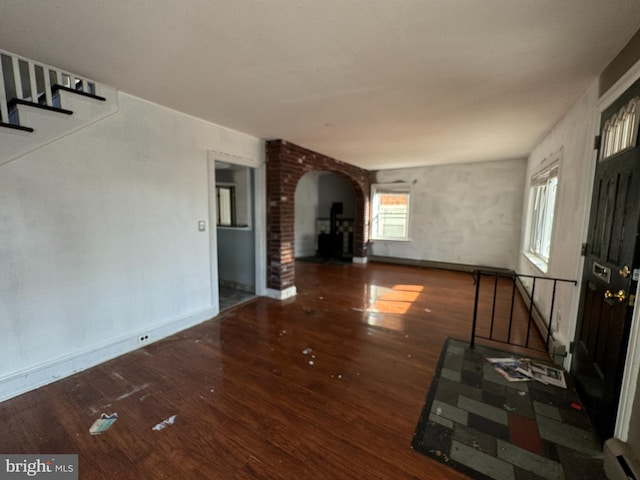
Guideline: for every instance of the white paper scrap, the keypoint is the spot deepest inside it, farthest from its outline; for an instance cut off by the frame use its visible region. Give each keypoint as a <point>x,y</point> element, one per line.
<point>165,423</point>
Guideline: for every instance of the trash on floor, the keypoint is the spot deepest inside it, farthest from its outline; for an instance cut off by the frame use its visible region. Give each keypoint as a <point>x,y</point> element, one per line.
<point>523,369</point>
<point>165,423</point>
<point>103,423</point>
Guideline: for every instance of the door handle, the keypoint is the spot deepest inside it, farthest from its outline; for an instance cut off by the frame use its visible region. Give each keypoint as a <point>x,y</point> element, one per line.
<point>624,272</point>
<point>620,295</point>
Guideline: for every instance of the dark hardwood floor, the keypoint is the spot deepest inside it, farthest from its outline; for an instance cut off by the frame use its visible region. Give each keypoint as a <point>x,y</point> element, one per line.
<point>329,384</point>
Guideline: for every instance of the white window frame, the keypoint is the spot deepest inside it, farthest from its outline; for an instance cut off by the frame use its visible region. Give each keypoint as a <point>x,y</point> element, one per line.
<point>543,196</point>
<point>226,202</point>
<point>392,189</point>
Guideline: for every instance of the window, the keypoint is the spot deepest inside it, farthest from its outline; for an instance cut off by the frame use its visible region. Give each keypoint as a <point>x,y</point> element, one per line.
<point>544,186</point>
<point>620,132</point>
<point>226,205</point>
<point>233,195</point>
<point>390,212</point>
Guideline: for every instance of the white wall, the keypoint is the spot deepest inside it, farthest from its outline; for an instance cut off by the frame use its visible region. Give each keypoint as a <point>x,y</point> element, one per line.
<point>315,193</point>
<point>465,214</point>
<point>334,188</point>
<point>573,137</point>
<point>99,240</point>
<point>306,212</point>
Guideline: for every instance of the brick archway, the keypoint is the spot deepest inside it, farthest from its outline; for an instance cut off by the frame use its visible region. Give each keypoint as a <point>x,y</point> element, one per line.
<point>286,164</point>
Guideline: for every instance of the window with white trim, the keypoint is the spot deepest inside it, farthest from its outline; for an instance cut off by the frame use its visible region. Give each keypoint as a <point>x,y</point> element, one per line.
<point>390,211</point>
<point>543,192</point>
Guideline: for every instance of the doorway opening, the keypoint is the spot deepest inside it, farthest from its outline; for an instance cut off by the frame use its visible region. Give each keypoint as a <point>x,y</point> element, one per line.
<point>235,233</point>
<point>324,218</point>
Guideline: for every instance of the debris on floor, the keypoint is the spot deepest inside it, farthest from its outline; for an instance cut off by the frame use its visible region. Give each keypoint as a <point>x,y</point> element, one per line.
<point>165,423</point>
<point>103,423</point>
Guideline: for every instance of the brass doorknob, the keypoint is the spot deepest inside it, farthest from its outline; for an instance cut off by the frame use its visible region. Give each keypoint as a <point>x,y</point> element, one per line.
<point>620,295</point>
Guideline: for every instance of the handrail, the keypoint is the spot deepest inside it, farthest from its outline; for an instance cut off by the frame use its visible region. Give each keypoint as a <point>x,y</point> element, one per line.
<point>26,80</point>
<point>532,307</point>
<point>512,273</point>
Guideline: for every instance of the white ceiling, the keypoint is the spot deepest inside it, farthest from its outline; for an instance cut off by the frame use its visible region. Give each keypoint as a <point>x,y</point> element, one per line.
<point>376,83</point>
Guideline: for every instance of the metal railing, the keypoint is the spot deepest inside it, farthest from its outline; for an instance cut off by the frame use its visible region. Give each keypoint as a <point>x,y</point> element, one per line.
<point>519,296</point>
<point>26,80</point>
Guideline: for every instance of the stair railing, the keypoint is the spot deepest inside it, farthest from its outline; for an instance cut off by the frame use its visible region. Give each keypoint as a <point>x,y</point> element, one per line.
<point>29,81</point>
<point>527,293</point>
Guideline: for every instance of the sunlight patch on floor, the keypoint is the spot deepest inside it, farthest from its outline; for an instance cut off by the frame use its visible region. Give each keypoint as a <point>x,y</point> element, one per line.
<point>384,300</point>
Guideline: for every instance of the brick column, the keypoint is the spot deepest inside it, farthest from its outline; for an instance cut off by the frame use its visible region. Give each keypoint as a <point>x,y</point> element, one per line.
<point>286,164</point>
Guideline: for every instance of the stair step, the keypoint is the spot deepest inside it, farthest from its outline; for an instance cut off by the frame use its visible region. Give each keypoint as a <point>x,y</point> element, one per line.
<point>41,124</point>
<point>16,127</point>
<point>57,88</point>
<point>14,102</point>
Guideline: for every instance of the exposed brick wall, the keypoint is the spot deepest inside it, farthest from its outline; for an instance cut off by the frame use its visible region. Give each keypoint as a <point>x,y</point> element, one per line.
<point>286,164</point>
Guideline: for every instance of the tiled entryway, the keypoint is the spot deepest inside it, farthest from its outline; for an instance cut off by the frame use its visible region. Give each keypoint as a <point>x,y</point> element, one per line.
<point>477,422</point>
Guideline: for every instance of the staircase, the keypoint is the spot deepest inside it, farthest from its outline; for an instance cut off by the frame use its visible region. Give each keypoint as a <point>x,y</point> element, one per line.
<point>40,104</point>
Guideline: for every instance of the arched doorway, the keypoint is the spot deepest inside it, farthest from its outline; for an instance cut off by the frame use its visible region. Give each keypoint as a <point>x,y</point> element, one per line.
<point>324,217</point>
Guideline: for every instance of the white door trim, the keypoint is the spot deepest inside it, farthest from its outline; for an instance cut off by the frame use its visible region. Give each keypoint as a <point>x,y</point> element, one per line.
<point>213,235</point>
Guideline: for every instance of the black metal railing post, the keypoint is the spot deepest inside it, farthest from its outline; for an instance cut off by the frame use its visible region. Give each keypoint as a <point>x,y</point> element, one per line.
<point>493,307</point>
<point>476,275</point>
<point>533,293</point>
<point>513,301</point>
<point>553,301</point>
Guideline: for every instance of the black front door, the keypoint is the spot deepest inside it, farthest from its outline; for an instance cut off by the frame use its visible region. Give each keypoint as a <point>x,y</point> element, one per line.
<point>612,256</point>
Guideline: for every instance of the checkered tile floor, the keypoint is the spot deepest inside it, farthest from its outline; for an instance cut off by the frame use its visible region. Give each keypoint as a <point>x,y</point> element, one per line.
<point>479,423</point>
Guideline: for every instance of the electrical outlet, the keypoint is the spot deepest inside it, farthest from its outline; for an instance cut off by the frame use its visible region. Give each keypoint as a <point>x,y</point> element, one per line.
<point>143,338</point>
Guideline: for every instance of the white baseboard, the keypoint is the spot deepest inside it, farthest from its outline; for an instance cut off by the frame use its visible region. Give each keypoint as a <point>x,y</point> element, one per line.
<point>22,381</point>
<point>282,294</point>
<point>360,260</point>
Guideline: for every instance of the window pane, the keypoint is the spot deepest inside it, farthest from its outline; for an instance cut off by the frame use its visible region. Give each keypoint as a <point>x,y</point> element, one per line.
<point>390,215</point>
<point>224,206</point>
<point>543,201</point>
